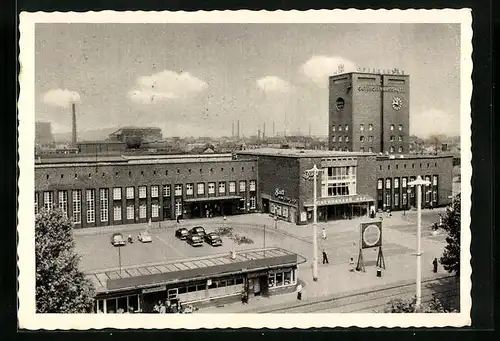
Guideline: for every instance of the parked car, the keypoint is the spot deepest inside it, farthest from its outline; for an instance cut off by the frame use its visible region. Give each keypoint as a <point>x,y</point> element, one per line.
<point>117,239</point>
<point>194,240</point>
<point>182,233</point>
<point>200,231</point>
<point>213,239</point>
<point>144,237</point>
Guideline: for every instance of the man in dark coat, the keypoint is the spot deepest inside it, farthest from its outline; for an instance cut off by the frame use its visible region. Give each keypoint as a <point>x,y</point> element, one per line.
<point>325,257</point>
<point>435,265</point>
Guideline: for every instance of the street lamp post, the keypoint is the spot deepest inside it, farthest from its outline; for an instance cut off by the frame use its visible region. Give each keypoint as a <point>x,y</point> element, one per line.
<point>120,258</point>
<point>419,183</point>
<point>314,172</point>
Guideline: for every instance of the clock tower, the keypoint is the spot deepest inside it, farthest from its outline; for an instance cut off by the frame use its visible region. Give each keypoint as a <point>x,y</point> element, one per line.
<point>369,112</point>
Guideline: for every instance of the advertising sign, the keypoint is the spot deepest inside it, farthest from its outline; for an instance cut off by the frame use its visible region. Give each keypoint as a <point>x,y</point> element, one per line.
<point>371,234</point>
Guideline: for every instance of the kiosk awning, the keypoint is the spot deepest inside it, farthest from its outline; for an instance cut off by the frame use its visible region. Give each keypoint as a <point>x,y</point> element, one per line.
<point>344,199</point>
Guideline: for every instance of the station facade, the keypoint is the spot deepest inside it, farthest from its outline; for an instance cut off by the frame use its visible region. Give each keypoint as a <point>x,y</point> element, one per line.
<point>119,190</point>
<point>349,184</point>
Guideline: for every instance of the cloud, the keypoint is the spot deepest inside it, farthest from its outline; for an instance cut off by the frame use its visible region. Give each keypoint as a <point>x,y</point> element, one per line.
<point>319,68</point>
<point>433,121</point>
<point>273,84</point>
<point>166,85</point>
<point>60,98</point>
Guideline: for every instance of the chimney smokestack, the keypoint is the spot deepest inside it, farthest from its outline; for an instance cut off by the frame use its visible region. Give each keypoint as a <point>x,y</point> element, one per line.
<point>264,131</point>
<point>232,131</point>
<point>274,133</point>
<point>238,129</point>
<point>73,117</point>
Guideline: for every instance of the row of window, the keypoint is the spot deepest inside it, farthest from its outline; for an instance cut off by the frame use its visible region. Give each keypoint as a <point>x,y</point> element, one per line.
<point>392,127</point>
<point>412,166</point>
<point>48,203</point>
<point>189,171</point>
<point>404,182</point>
<point>189,189</point>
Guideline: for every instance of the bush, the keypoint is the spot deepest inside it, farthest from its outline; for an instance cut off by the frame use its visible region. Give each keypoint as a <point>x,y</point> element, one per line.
<point>400,305</point>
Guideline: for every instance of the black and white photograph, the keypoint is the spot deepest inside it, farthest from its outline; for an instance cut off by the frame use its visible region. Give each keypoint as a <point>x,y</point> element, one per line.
<point>245,169</point>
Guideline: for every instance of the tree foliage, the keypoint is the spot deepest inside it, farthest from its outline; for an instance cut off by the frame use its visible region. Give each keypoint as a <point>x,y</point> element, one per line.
<point>400,305</point>
<point>451,254</point>
<point>60,286</point>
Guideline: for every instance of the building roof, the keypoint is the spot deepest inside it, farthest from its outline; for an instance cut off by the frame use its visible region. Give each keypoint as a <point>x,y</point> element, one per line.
<point>70,161</point>
<point>300,153</point>
<point>151,275</point>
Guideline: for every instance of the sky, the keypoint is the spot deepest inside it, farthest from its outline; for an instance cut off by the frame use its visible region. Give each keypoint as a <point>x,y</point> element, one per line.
<point>197,79</point>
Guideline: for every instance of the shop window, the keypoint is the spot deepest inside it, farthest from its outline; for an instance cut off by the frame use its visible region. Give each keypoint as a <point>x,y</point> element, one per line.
<point>191,288</point>
<point>239,281</point>
<point>285,212</point>
<point>279,279</point>
<point>182,290</point>
<point>288,277</point>
<point>213,285</point>
<point>230,282</point>
<point>111,306</point>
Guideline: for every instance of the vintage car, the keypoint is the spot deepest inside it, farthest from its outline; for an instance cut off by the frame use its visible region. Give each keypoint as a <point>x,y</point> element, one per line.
<point>144,237</point>
<point>200,231</point>
<point>194,240</point>
<point>117,239</point>
<point>213,239</point>
<point>182,233</point>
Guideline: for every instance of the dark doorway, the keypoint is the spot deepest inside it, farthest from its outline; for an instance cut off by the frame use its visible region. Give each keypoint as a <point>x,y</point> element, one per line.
<point>264,285</point>
<point>265,205</point>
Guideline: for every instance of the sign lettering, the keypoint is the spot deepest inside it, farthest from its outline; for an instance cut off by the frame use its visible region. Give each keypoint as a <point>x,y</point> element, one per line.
<point>378,88</point>
<point>154,289</point>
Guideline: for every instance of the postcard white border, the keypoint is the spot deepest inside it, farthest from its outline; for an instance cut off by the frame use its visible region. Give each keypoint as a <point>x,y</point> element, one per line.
<point>27,317</point>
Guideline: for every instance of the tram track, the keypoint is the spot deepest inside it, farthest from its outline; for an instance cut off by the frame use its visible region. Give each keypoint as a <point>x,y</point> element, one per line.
<point>343,303</point>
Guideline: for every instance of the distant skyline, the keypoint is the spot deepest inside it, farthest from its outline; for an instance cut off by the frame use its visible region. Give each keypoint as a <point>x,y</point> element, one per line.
<point>197,79</point>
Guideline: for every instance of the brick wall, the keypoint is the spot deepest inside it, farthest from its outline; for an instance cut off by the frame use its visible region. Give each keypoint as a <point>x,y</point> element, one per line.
<point>340,87</point>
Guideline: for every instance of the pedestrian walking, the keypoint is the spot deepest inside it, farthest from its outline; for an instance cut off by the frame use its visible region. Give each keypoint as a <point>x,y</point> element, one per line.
<point>351,264</point>
<point>178,218</point>
<point>299,292</point>
<point>163,309</point>
<point>325,257</point>
<point>323,234</point>
<point>435,265</point>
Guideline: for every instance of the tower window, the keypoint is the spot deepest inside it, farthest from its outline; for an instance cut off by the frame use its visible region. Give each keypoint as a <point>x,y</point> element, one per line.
<point>400,149</point>
<point>340,138</point>
<point>334,128</point>
<point>334,138</point>
<point>392,138</point>
<point>362,138</point>
<point>370,149</point>
<point>362,149</point>
<point>346,127</point>
<point>370,127</point>
<point>392,127</point>
<point>361,127</point>
<point>340,128</point>
<point>370,138</point>
<point>391,149</point>
<point>400,128</point>
<point>400,138</point>
<point>347,139</point>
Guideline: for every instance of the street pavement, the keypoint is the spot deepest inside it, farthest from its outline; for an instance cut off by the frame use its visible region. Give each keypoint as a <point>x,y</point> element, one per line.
<point>341,243</point>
